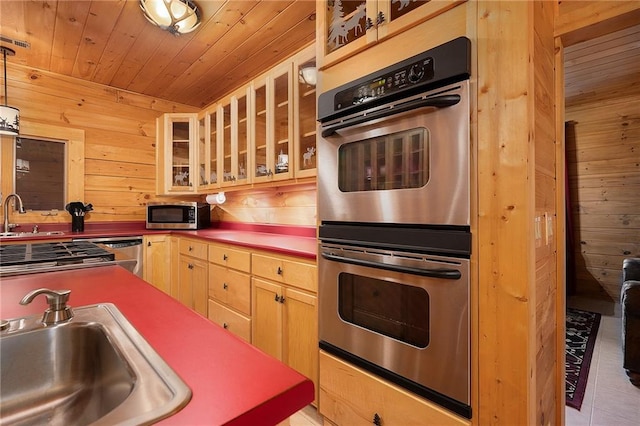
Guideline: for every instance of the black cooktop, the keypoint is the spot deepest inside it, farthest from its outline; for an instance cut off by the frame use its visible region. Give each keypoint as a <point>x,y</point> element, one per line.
<point>60,253</point>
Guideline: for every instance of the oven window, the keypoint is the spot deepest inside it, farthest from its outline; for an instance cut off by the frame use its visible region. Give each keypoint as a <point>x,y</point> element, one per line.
<point>395,161</point>
<point>396,310</point>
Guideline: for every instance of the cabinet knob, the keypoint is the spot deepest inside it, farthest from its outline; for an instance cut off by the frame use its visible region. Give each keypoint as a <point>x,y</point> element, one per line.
<point>149,244</point>
<point>269,173</point>
<point>377,420</point>
<point>279,271</point>
<point>277,298</point>
<point>190,266</point>
<point>225,325</point>
<point>225,257</point>
<point>225,286</point>
<point>190,248</point>
<point>281,299</point>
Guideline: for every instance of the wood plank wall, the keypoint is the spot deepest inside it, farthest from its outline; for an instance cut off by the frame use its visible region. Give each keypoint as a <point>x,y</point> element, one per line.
<point>120,134</point>
<point>603,161</point>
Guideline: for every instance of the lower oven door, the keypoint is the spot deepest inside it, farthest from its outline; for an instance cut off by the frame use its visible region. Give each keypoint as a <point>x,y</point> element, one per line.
<point>403,316</point>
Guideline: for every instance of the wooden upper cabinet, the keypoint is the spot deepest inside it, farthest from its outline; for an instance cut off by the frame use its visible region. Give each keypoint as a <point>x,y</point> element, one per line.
<point>272,125</point>
<point>234,142</point>
<point>208,144</point>
<point>304,113</point>
<point>177,153</point>
<point>348,27</point>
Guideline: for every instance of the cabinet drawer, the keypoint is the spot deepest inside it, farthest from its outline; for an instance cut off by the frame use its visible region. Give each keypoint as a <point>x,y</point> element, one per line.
<point>230,287</point>
<point>286,271</point>
<point>193,248</point>
<point>232,321</point>
<point>230,257</point>
<point>351,396</point>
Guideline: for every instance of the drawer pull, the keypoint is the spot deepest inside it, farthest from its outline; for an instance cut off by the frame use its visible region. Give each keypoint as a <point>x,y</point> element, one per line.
<point>225,286</point>
<point>377,420</point>
<point>190,266</point>
<point>225,325</point>
<point>190,248</point>
<point>279,271</point>
<point>225,257</point>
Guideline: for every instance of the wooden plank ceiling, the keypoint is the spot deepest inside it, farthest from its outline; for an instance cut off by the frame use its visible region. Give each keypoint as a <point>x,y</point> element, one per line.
<point>110,42</point>
<point>601,67</point>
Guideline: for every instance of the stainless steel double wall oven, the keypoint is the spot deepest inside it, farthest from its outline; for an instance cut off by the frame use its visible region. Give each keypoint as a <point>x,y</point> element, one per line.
<point>394,211</point>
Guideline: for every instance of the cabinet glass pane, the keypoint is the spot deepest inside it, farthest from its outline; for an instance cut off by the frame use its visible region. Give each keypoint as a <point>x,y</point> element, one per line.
<point>260,122</point>
<point>401,7</point>
<point>226,143</point>
<point>202,146</point>
<point>307,115</point>
<point>180,152</point>
<point>213,145</point>
<point>395,161</point>
<point>281,123</point>
<point>345,22</point>
<point>243,139</point>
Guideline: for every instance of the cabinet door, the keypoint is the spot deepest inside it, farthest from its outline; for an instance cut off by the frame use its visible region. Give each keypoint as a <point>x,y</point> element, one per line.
<point>344,28</point>
<point>230,320</point>
<point>225,144</point>
<point>241,157</point>
<point>193,286</point>
<point>301,333</point>
<point>179,145</point>
<point>208,150</point>
<point>185,294</point>
<point>304,115</point>
<point>157,261</point>
<point>267,317</point>
<point>230,287</point>
<point>282,104</point>
<point>262,169</point>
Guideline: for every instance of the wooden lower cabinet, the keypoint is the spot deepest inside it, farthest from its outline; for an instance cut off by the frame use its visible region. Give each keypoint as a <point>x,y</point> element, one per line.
<point>236,323</point>
<point>193,276</point>
<point>285,325</point>
<point>351,396</point>
<point>157,261</point>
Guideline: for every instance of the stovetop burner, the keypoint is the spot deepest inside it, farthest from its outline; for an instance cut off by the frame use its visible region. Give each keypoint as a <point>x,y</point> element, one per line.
<point>60,253</point>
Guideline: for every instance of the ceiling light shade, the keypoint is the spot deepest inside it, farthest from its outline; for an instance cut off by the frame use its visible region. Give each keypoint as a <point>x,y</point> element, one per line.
<point>9,116</point>
<point>176,16</point>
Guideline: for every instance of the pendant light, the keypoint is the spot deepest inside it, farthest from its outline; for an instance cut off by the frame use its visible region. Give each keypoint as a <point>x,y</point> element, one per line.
<point>9,116</point>
<point>176,16</point>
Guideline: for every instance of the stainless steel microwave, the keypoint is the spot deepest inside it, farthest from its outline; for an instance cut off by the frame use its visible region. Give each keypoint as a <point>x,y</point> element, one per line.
<point>178,215</point>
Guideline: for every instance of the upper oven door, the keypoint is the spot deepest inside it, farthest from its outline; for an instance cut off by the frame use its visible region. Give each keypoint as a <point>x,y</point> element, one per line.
<point>404,163</point>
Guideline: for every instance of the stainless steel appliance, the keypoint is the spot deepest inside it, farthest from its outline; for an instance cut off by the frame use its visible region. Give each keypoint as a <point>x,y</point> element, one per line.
<point>178,215</point>
<point>127,251</point>
<point>394,210</point>
<point>29,258</point>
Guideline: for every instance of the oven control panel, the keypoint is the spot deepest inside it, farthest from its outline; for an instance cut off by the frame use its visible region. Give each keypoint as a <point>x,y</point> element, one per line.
<point>437,67</point>
<point>417,72</point>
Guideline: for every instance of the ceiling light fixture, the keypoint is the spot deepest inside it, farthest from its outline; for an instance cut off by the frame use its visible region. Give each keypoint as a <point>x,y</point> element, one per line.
<point>9,116</point>
<point>176,16</point>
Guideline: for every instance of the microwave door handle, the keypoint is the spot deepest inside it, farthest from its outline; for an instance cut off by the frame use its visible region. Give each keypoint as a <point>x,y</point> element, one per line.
<point>447,274</point>
<point>436,102</point>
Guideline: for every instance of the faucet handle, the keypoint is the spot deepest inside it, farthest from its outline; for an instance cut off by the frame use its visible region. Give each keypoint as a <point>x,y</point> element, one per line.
<point>57,299</point>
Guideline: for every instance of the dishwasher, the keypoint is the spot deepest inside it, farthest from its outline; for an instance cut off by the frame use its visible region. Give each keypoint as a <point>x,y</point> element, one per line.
<point>127,250</point>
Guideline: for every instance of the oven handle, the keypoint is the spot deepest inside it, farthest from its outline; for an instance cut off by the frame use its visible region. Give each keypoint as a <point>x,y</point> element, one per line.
<point>435,102</point>
<point>447,274</point>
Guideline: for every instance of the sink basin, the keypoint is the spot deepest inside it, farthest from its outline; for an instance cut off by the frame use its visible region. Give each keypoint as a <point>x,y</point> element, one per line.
<point>93,369</point>
<point>29,234</point>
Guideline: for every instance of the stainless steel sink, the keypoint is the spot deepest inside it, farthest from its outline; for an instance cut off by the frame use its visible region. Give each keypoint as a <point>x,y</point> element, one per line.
<point>92,369</point>
<point>29,234</point>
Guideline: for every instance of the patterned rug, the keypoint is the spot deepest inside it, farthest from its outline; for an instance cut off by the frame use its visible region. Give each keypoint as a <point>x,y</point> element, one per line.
<point>582,329</point>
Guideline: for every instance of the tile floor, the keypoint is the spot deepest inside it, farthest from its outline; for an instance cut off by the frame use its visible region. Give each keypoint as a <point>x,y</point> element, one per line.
<point>610,399</point>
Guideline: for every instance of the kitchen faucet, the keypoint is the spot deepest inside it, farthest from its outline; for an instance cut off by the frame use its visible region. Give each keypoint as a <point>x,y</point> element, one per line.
<point>8,226</point>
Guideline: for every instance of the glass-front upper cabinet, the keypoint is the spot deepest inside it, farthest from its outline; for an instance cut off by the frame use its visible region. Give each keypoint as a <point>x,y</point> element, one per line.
<point>234,142</point>
<point>350,26</point>
<point>304,129</point>
<point>272,125</point>
<point>208,149</point>
<point>177,139</point>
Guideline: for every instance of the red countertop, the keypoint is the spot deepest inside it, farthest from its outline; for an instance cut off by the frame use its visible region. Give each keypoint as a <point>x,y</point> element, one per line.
<point>233,383</point>
<point>290,240</point>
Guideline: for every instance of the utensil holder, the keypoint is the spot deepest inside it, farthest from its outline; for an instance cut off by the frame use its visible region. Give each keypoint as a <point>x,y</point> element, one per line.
<point>77,223</point>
